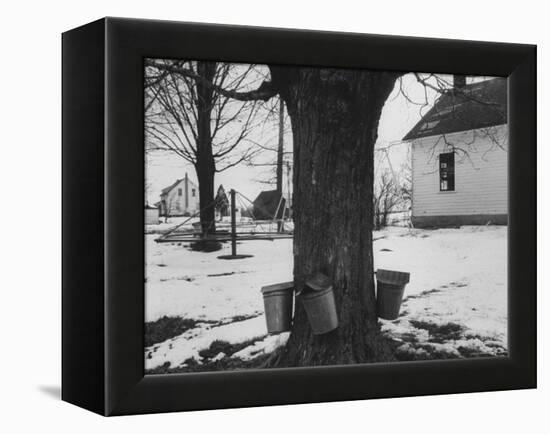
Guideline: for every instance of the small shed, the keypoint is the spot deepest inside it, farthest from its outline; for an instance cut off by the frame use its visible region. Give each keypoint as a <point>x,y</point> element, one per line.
<point>152,215</point>
<point>267,204</point>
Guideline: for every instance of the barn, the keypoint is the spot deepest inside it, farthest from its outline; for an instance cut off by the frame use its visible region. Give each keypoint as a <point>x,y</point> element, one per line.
<point>459,157</point>
<point>268,205</point>
<point>180,198</point>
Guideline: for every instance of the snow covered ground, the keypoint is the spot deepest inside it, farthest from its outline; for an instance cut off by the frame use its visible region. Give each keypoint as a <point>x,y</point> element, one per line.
<point>454,306</point>
<point>166,226</point>
<point>456,301</point>
<point>223,295</point>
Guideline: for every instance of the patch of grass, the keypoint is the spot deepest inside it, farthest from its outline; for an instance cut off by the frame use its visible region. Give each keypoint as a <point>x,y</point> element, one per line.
<point>403,356</point>
<point>216,347</point>
<point>225,364</point>
<point>422,294</point>
<point>403,313</point>
<point>167,327</point>
<point>219,346</point>
<point>458,284</point>
<point>238,318</point>
<point>230,273</point>
<point>413,350</point>
<point>439,333</point>
<point>437,354</point>
<point>417,351</point>
<point>409,337</point>
<point>186,278</point>
<point>467,352</point>
<point>163,369</point>
<point>499,349</point>
<point>418,233</point>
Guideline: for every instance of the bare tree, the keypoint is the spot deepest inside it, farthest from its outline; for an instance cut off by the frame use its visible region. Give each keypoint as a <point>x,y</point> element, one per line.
<point>167,205</point>
<point>274,151</point>
<point>406,181</point>
<point>210,130</point>
<point>386,198</point>
<point>392,186</point>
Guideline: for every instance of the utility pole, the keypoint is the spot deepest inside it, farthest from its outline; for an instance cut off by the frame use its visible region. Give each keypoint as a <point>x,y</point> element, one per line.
<point>280,153</point>
<point>281,147</point>
<point>289,199</point>
<point>233,225</point>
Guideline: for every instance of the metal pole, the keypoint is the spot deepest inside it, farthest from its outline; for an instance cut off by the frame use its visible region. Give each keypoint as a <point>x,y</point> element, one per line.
<point>289,195</point>
<point>281,146</point>
<point>233,225</point>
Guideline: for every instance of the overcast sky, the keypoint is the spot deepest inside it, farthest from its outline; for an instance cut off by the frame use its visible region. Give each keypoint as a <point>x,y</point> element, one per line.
<point>398,117</point>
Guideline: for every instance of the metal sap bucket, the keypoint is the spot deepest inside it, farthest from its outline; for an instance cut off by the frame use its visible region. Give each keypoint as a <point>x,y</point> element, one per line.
<point>278,300</point>
<point>318,300</point>
<point>390,286</point>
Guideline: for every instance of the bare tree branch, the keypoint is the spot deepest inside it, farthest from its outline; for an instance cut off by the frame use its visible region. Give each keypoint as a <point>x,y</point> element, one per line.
<point>263,93</point>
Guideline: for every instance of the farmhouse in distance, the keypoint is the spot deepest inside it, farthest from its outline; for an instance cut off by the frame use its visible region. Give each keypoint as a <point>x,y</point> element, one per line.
<point>460,155</point>
<point>182,199</point>
<point>179,199</point>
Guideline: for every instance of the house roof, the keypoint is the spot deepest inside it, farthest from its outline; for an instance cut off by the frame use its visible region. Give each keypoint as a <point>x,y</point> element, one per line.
<point>267,196</point>
<point>172,186</point>
<point>476,105</point>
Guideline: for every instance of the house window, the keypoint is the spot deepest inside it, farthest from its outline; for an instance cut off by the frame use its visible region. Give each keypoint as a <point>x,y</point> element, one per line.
<point>447,171</point>
<point>180,192</point>
<point>193,192</point>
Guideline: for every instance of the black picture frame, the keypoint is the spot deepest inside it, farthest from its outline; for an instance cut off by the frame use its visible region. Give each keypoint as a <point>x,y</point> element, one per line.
<point>103,243</point>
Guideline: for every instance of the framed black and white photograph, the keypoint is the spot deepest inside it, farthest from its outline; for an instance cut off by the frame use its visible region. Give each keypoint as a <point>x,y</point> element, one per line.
<point>228,214</point>
<point>289,216</point>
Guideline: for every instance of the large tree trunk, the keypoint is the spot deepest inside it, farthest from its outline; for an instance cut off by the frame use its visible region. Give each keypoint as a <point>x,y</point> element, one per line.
<point>205,176</point>
<point>205,165</point>
<point>334,115</point>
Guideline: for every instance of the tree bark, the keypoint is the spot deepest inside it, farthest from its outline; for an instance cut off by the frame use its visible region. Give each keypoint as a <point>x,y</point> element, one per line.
<point>334,115</point>
<point>205,166</point>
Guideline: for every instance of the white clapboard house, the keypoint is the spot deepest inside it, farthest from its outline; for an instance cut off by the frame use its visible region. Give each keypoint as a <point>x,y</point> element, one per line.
<point>179,199</point>
<point>459,152</point>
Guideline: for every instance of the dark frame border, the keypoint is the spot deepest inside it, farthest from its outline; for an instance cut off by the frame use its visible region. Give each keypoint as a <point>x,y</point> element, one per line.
<point>127,391</point>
